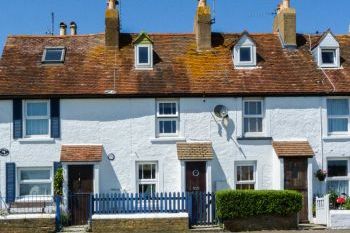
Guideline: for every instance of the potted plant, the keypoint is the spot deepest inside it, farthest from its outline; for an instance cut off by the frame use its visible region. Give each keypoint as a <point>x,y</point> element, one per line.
<point>321,174</point>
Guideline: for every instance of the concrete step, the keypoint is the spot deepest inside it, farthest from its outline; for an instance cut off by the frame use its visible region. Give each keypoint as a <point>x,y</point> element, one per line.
<point>206,228</point>
<point>312,227</point>
<point>74,229</point>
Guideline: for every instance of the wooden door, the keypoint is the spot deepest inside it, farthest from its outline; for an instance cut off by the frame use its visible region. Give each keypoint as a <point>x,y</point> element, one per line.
<point>295,178</point>
<point>196,176</point>
<point>80,186</point>
<point>196,184</point>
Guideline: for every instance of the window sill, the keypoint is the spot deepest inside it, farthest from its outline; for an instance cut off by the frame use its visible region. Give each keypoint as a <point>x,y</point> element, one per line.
<point>254,138</point>
<point>36,140</point>
<point>336,137</point>
<point>143,68</point>
<point>168,139</point>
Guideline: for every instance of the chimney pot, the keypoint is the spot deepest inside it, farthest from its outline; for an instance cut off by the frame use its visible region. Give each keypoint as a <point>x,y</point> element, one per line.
<point>73,28</point>
<point>63,29</point>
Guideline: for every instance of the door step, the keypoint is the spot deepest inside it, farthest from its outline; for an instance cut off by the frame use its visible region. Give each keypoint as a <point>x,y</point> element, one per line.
<point>74,229</point>
<point>312,227</point>
<point>206,228</point>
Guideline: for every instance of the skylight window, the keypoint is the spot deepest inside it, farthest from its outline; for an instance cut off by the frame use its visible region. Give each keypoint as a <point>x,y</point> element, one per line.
<point>53,55</point>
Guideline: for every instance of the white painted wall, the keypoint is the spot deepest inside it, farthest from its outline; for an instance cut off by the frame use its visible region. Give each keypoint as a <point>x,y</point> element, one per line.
<point>126,127</point>
<point>339,219</point>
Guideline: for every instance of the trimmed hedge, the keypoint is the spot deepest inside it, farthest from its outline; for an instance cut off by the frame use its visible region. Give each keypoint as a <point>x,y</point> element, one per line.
<point>232,204</point>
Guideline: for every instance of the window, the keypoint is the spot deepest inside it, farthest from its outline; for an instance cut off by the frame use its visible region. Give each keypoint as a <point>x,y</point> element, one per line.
<point>253,117</point>
<point>37,117</point>
<point>245,176</point>
<point>338,116</point>
<point>167,118</point>
<point>338,176</point>
<point>53,55</point>
<point>34,181</point>
<point>143,56</point>
<point>328,56</point>
<point>245,54</point>
<point>147,177</point>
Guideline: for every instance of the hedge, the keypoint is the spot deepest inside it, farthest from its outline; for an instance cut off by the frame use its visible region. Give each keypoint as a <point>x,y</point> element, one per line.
<point>239,204</point>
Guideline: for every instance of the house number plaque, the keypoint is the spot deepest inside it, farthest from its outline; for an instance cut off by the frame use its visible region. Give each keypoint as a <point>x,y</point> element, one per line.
<point>4,152</point>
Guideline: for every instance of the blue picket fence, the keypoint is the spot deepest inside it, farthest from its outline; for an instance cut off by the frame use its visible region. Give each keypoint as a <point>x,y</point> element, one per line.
<point>125,203</point>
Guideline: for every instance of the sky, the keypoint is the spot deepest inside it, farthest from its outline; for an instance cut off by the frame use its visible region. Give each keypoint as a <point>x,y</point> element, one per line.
<point>34,16</point>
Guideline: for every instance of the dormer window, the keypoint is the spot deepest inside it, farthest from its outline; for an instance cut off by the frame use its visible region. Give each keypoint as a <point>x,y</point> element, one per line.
<point>244,52</point>
<point>326,51</point>
<point>53,55</point>
<point>328,56</point>
<point>143,52</point>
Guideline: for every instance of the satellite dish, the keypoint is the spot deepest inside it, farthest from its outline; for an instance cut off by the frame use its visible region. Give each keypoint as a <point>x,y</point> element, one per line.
<point>221,111</point>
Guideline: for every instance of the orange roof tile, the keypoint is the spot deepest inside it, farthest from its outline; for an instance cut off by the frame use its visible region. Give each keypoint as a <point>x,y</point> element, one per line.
<point>81,153</point>
<point>293,149</point>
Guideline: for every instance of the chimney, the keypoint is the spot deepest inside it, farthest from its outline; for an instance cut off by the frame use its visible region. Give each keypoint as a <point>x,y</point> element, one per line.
<point>63,29</point>
<point>112,25</point>
<point>202,26</point>
<point>285,24</point>
<point>73,28</point>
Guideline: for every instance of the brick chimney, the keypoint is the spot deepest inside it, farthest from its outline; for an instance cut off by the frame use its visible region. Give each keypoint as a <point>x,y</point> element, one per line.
<point>112,24</point>
<point>63,29</point>
<point>285,24</point>
<point>202,26</point>
<point>73,28</point>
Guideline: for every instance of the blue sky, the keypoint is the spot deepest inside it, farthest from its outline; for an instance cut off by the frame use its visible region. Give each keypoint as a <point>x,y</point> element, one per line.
<point>33,16</point>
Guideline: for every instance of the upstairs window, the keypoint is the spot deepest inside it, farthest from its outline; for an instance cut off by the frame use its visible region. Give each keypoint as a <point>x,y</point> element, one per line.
<point>253,117</point>
<point>143,52</point>
<point>328,56</point>
<point>338,116</point>
<point>244,52</point>
<point>37,118</point>
<point>167,118</point>
<point>53,55</point>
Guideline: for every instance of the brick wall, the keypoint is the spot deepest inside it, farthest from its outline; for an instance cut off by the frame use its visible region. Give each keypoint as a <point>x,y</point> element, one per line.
<point>168,225</point>
<point>36,225</point>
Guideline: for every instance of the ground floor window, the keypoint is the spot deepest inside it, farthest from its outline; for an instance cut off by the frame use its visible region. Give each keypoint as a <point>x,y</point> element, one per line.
<point>147,177</point>
<point>338,176</point>
<point>34,181</point>
<point>245,175</point>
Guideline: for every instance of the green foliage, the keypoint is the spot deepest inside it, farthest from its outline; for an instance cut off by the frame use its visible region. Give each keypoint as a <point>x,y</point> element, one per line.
<point>333,199</point>
<point>347,204</point>
<point>239,204</point>
<point>58,182</point>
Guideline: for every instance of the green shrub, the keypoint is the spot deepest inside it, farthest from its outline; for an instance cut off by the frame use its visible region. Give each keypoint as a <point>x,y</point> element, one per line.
<point>58,182</point>
<point>347,204</point>
<point>239,204</point>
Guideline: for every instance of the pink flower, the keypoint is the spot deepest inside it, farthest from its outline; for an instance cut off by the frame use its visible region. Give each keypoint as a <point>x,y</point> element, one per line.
<point>341,200</point>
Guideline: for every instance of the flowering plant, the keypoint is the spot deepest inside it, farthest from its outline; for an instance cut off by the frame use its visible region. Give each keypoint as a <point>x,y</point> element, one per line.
<point>321,174</point>
<point>341,201</point>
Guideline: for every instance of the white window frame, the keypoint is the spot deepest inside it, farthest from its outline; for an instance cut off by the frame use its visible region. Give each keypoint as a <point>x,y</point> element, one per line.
<point>338,117</point>
<point>237,52</point>
<point>251,55</point>
<point>149,64</point>
<point>173,117</point>
<point>336,54</point>
<point>47,117</point>
<point>147,181</point>
<point>262,116</point>
<point>245,164</point>
<point>63,54</point>
<point>19,181</point>
<point>340,178</point>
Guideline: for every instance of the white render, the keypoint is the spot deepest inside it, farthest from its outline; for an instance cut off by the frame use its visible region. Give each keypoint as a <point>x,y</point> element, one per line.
<point>339,219</point>
<point>126,127</point>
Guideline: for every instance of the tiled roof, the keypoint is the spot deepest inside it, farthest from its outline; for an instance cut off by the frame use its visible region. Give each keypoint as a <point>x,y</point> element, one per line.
<point>179,70</point>
<point>195,151</point>
<point>81,153</point>
<point>293,149</point>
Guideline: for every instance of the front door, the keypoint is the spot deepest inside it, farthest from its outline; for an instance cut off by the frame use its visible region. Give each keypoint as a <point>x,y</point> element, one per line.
<point>196,184</point>
<point>80,186</point>
<point>295,178</point>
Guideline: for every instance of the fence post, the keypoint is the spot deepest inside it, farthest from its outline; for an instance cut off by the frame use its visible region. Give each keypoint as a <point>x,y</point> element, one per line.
<point>58,213</point>
<point>189,207</point>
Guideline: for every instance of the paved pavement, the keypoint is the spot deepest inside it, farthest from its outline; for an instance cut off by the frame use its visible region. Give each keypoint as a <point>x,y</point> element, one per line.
<point>305,231</point>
